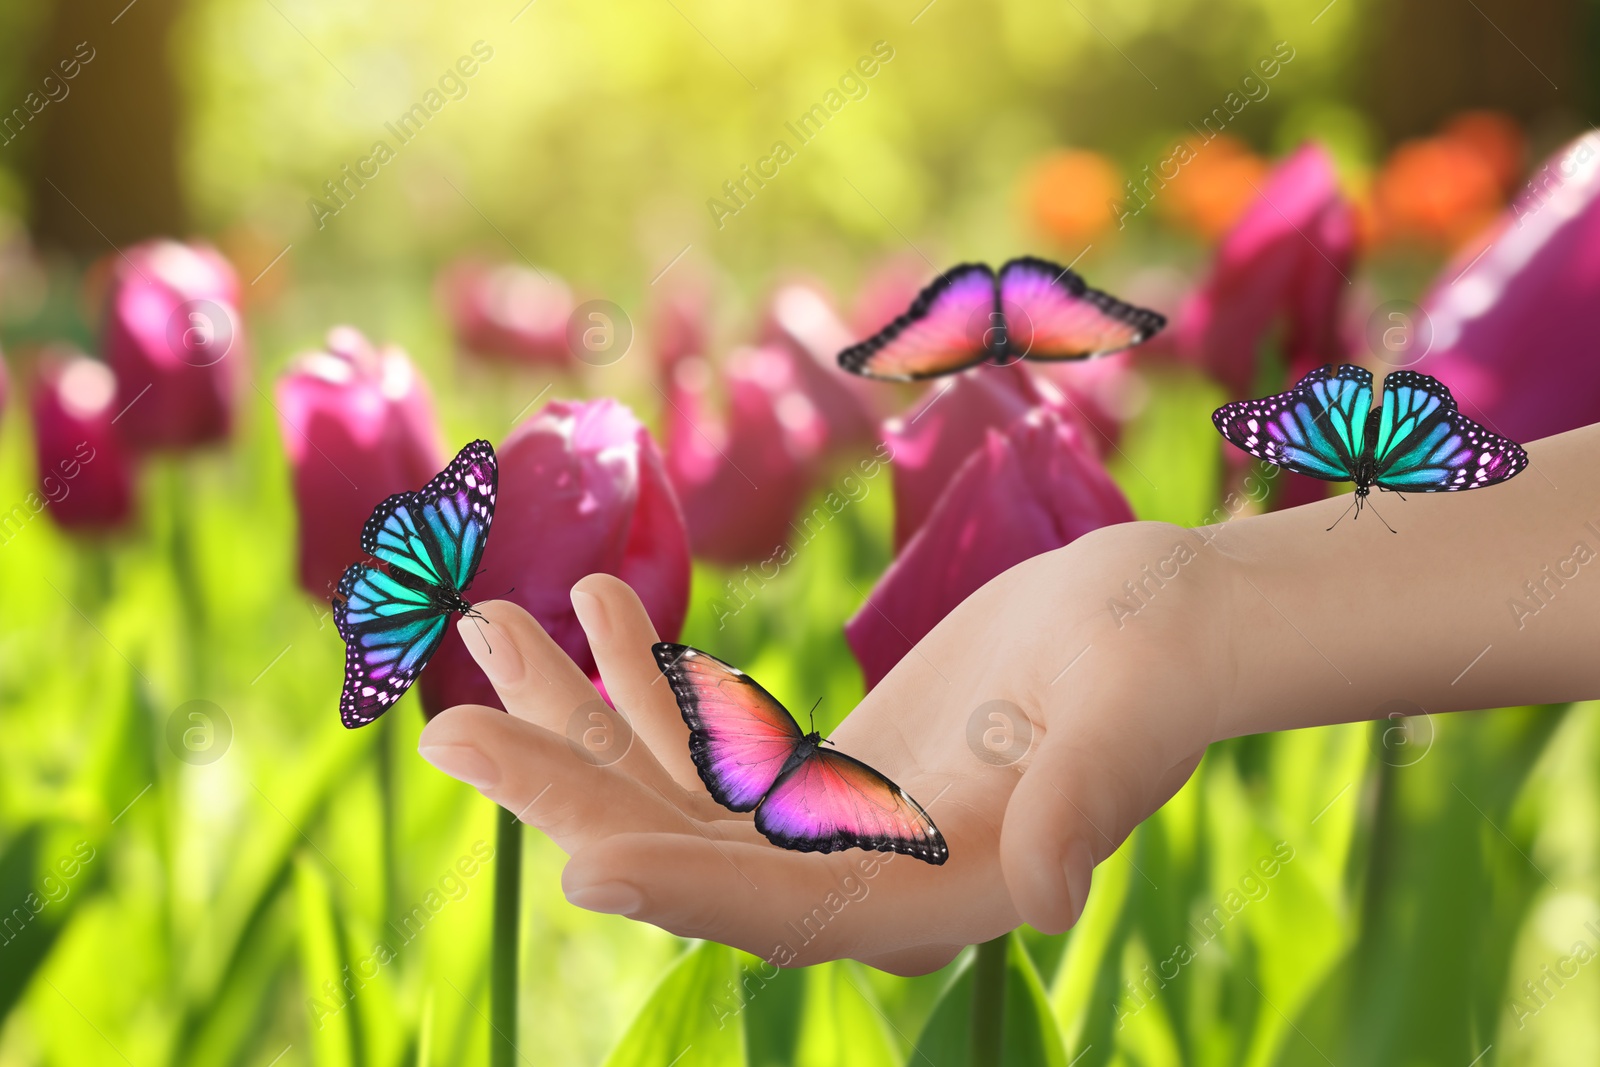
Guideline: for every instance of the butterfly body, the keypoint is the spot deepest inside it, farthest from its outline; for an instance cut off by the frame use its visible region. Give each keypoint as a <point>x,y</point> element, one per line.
<point>1030,308</point>
<point>427,546</point>
<point>1414,440</point>
<point>807,796</point>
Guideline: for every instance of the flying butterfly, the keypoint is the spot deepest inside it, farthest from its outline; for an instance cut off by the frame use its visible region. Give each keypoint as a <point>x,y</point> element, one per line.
<point>751,754</point>
<point>393,615</point>
<point>1031,309</point>
<point>1415,440</point>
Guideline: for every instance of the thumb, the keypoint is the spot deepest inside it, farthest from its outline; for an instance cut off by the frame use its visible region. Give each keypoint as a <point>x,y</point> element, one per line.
<point>1076,803</point>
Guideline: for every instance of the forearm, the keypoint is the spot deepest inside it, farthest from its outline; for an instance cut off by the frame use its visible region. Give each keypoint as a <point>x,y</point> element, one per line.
<point>1483,599</point>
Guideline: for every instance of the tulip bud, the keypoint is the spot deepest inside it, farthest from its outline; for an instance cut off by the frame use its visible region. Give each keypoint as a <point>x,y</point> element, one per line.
<point>742,482</point>
<point>953,418</point>
<point>1029,489</point>
<point>174,338</point>
<point>1511,325</point>
<point>1286,261</point>
<point>358,426</point>
<point>582,491</point>
<point>802,322</point>
<point>508,313</point>
<point>85,473</point>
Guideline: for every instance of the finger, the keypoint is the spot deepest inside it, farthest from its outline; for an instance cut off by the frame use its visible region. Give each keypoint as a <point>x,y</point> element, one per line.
<point>535,679</point>
<point>542,778</point>
<point>913,962</point>
<point>789,908</point>
<point>1072,809</point>
<point>620,633</point>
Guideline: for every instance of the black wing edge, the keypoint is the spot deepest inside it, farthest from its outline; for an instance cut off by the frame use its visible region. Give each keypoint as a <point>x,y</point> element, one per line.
<point>855,358</point>
<point>667,655</point>
<point>1147,322</point>
<point>933,851</point>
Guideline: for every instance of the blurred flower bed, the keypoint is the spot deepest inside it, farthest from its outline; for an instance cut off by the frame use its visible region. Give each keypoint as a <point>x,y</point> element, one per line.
<point>263,883</point>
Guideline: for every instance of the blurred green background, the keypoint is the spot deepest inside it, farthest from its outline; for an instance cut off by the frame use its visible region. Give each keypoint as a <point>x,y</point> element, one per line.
<point>1434,867</point>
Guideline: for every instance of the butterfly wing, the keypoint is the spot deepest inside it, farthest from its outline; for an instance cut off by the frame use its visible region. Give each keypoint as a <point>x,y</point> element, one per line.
<point>437,534</point>
<point>832,802</point>
<point>1424,444</point>
<point>950,326</point>
<point>1318,428</point>
<point>1052,314</point>
<point>390,628</point>
<point>740,737</point>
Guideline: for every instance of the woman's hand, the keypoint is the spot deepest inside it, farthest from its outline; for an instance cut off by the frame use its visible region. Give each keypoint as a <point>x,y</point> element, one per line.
<point>1038,724</point>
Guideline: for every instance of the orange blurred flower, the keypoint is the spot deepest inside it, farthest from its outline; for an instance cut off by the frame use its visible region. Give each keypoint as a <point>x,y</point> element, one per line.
<point>1443,190</point>
<point>1216,181</point>
<point>1496,139</point>
<point>1435,190</point>
<point>1069,194</point>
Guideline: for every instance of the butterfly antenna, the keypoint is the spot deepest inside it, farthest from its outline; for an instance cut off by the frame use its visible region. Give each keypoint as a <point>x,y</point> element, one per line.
<point>477,620</point>
<point>1385,522</point>
<point>812,715</point>
<point>1345,512</point>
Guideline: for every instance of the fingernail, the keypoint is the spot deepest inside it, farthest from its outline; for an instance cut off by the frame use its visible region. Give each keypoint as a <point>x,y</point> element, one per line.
<point>499,661</point>
<point>591,615</point>
<point>613,898</point>
<point>462,762</point>
<point>1080,868</point>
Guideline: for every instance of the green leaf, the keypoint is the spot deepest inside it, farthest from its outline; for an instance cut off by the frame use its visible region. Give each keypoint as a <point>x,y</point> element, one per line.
<point>1030,1037</point>
<point>333,1022</point>
<point>695,1016</point>
<point>842,1025</point>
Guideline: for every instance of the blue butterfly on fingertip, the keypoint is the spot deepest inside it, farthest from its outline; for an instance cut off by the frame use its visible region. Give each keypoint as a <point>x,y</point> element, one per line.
<point>427,545</point>
<point>1414,440</point>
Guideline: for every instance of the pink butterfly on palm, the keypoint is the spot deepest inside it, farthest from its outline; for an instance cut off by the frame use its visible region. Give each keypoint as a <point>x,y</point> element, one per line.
<point>751,754</point>
<point>1031,309</point>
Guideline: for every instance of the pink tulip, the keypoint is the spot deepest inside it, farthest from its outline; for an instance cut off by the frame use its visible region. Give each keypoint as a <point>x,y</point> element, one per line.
<point>358,425</point>
<point>85,473</point>
<point>1287,261</point>
<point>802,322</point>
<point>1513,324</point>
<point>582,490</point>
<point>508,313</point>
<point>951,421</point>
<point>680,324</point>
<point>175,339</point>
<point>1027,490</point>
<point>742,481</point>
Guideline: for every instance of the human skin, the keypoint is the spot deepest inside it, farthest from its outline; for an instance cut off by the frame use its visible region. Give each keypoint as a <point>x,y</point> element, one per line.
<point>1271,623</point>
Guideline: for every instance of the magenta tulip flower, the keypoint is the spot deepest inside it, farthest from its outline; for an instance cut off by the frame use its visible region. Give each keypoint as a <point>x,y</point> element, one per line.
<point>951,421</point>
<point>175,340</point>
<point>508,313</point>
<point>1031,488</point>
<point>802,322</point>
<point>358,425</point>
<point>741,479</point>
<point>1285,264</point>
<point>582,491</point>
<point>1513,325</point>
<point>85,473</point>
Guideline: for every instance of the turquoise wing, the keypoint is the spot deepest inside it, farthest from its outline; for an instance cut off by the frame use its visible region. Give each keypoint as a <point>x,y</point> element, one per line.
<point>1318,428</point>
